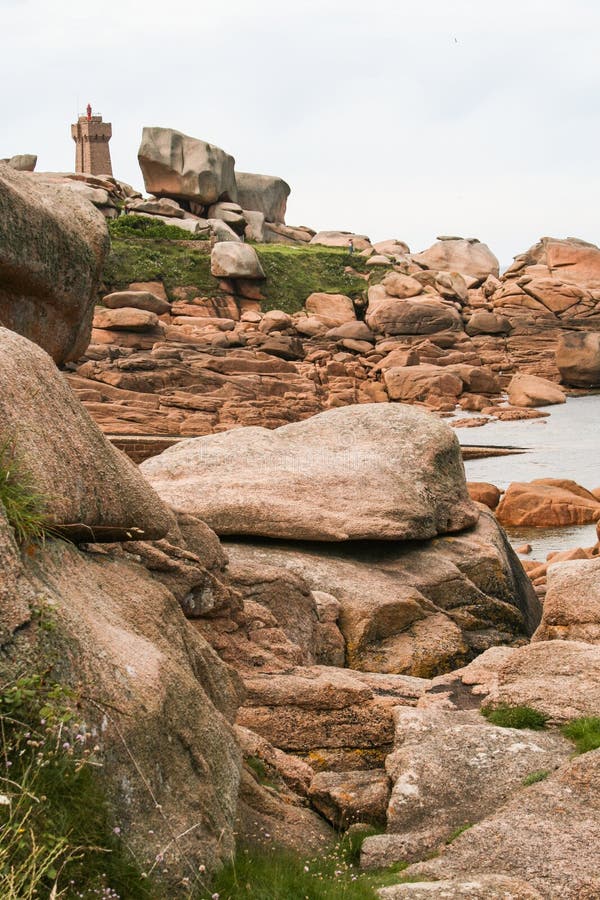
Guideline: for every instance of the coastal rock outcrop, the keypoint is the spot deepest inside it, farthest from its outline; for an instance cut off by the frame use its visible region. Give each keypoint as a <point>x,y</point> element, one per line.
<point>480,887</point>
<point>353,473</point>
<point>450,769</point>
<point>529,390</point>
<point>231,260</point>
<point>547,502</point>
<point>52,248</point>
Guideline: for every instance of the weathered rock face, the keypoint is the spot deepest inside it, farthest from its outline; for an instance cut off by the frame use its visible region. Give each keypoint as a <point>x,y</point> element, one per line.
<point>484,492</point>
<point>483,322</point>
<point>410,383</point>
<point>482,887</point>
<point>547,835</point>
<point>347,797</point>
<point>52,248</point>
<point>560,678</point>
<point>451,769</point>
<point>548,502</point>
<point>93,491</point>
<point>572,604</point>
<point>178,166</point>
<point>554,283</point>
<point>578,358</point>
<point>469,257</point>
<point>337,719</point>
<point>415,610</point>
<point>125,318</point>
<point>266,194</point>
<point>150,689</point>
<point>160,206</point>
<point>278,816</point>
<point>366,472</point>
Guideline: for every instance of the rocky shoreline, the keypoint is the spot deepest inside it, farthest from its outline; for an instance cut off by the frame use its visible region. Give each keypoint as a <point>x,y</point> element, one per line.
<point>299,619</point>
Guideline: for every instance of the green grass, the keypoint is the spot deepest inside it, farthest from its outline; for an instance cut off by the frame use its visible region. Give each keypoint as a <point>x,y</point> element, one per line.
<point>292,273</point>
<point>56,830</point>
<point>273,874</point>
<point>534,777</point>
<point>584,732</point>
<point>146,227</point>
<point>515,717</point>
<point>172,262</point>
<point>25,506</point>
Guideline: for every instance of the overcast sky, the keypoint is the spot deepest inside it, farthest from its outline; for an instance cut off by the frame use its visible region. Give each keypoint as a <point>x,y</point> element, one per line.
<point>394,119</point>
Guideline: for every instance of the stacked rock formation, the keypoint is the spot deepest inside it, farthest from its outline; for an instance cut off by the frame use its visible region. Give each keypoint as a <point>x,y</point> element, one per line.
<point>421,336</point>
<point>370,474</point>
<point>195,182</point>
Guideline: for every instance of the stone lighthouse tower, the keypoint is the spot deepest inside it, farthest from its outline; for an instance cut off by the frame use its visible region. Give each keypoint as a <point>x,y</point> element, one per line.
<point>91,136</point>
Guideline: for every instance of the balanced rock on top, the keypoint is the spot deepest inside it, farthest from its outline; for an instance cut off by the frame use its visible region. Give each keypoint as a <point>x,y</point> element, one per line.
<point>359,472</point>
<point>176,165</point>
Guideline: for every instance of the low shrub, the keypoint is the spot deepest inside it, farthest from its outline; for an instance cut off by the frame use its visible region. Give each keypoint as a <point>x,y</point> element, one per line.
<point>584,732</point>
<point>515,717</point>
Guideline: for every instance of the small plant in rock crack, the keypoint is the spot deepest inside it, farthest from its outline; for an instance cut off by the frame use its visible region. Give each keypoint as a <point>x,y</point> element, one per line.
<point>25,506</point>
<point>515,717</point>
<point>534,777</point>
<point>584,732</point>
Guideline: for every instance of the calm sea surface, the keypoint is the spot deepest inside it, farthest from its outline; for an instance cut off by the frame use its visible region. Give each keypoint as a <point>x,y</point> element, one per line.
<point>566,444</point>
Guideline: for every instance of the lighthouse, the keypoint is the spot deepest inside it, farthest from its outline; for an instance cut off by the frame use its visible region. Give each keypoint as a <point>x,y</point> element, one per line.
<point>91,136</point>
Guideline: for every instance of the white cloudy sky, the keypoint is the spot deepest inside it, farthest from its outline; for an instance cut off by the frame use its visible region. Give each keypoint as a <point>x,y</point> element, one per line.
<point>398,119</point>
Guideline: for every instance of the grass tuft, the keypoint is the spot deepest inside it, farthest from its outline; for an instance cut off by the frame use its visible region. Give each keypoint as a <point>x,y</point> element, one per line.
<point>534,777</point>
<point>25,506</point>
<point>584,732</point>
<point>515,717</point>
